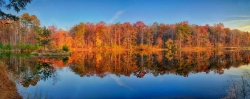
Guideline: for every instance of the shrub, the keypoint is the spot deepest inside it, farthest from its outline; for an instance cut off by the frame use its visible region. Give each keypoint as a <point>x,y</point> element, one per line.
<point>28,46</point>
<point>65,48</point>
<point>8,46</point>
<point>65,60</point>
<point>39,51</point>
<point>1,45</point>
<point>8,55</point>
<point>36,46</point>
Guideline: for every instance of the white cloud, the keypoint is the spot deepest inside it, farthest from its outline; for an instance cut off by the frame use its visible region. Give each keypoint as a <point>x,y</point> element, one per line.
<point>117,15</point>
<point>237,21</point>
<point>240,16</point>
<point>243,24</point>
<point>245,28</point>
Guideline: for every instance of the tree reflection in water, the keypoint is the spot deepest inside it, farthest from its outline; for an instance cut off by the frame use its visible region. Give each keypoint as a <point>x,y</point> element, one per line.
<point>30,70</point>
<point>43,71</point>
<point>160,63</point>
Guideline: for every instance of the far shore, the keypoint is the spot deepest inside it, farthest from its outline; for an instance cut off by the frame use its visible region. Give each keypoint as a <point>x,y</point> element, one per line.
<point>151,49</point>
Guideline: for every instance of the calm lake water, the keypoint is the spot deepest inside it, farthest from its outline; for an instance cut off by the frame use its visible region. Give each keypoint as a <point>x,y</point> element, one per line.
<point>127,75</point>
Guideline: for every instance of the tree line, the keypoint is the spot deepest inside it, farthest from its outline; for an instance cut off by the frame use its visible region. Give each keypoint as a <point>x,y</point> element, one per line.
<point>28,33</point>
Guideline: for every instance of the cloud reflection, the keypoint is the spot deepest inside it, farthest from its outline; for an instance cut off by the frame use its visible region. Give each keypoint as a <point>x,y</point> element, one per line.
<point>119,82</point>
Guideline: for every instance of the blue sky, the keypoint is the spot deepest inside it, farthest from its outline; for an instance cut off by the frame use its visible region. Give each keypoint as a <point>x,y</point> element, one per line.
<point>67,13</point>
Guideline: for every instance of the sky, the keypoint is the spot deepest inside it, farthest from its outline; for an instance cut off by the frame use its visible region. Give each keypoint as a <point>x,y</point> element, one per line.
<point>65,14</point>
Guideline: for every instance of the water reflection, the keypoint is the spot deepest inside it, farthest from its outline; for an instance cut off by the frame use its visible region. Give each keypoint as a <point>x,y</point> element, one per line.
<point>32,69</point>
<point>240,88</point>
<point>157,64</point>
<point>28,70</point>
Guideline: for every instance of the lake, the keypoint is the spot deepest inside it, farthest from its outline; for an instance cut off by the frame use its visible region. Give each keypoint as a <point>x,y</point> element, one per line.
<point>129,75</point>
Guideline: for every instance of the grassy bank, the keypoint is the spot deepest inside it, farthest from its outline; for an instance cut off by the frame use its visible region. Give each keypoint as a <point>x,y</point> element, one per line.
<point>51,53</point>
<point>8,88</point>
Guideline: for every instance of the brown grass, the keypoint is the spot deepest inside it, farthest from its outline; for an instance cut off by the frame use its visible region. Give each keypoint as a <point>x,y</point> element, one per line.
<point>8,88</point>
<point>197,49</point>
<point>51,54</point>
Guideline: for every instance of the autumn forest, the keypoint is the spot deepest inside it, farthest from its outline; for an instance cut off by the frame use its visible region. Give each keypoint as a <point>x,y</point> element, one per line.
<point>124,49</point>
<point>28,34</point>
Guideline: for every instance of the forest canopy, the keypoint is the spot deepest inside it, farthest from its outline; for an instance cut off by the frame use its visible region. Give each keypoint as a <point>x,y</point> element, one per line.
<point>87,35</point>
